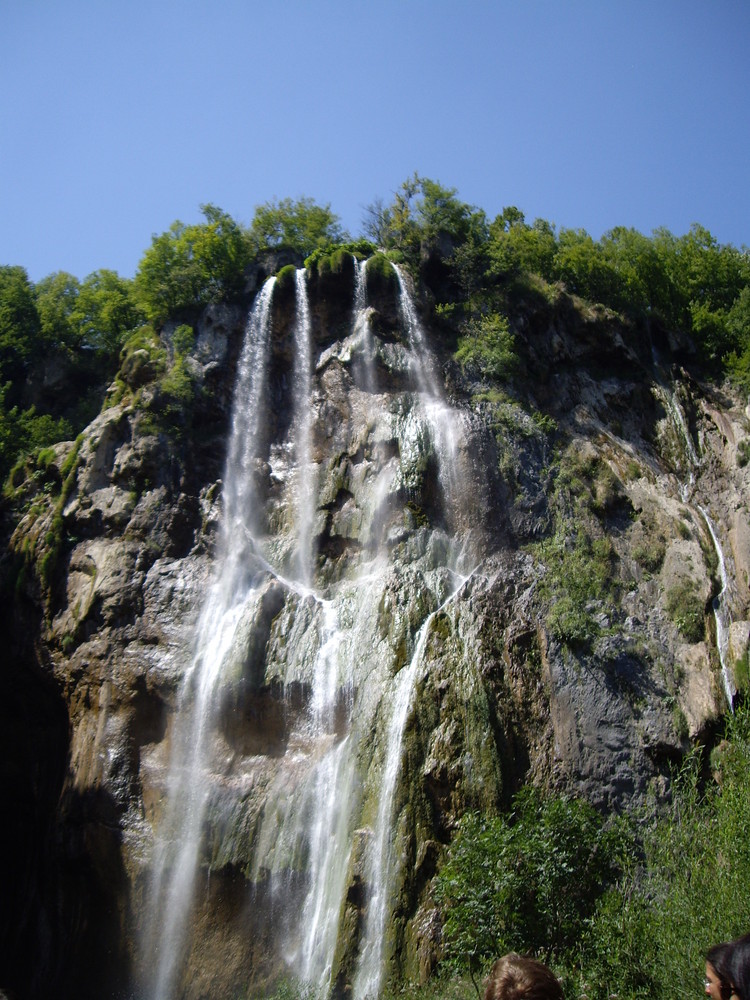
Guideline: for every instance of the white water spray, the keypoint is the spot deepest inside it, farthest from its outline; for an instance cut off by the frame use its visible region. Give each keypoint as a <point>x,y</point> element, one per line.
<point>721,613</point>
<point>178,847</point>
<point>381,859</point>
<point>305,471</point>
<point>720,603</point>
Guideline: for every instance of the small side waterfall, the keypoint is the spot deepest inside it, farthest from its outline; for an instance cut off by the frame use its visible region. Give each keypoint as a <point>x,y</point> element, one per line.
<point>302,417</point>
<point>446,425</point>
<point>362,327</point>
<point>721,613</point>
<point>720,603</point>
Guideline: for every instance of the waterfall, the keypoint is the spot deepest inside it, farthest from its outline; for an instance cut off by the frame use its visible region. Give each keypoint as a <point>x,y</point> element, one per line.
<point>302,422</point>
<point>362,327</point>
<point>721,613</point>
<point>381,860</point>
<point>445,424</point>
<point>720,603</point>
<point>679,422</point>
<point>177,852</point>
<point>332,661</point>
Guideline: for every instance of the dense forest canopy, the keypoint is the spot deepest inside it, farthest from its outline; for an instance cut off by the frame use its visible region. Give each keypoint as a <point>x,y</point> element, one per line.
<point>66,332</point>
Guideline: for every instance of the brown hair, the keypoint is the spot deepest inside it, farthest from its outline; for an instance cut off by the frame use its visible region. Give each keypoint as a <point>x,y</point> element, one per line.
<point>515,977</point>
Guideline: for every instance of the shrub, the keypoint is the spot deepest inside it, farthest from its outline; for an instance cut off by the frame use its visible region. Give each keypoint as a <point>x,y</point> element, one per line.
<point>650,554</point>
<point>578,574</point>
<point>649,934</point>
<point>686,610</point>
<point>487,349</point>
<point>528,881</point>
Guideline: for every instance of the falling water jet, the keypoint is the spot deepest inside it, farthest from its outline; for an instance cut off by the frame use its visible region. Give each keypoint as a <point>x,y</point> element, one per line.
<point>446,424</point>
<point>381,862</point>
<point>720,603</point>
<point>362,327</point>
<point>721,613</point>
<point>302,417</point>
<point>179,838</point>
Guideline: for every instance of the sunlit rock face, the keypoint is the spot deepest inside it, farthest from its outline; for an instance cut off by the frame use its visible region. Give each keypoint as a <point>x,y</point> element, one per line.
<point>297,641</point>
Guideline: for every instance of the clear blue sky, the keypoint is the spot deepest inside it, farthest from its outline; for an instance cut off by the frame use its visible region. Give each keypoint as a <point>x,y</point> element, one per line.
<point>119,117</point>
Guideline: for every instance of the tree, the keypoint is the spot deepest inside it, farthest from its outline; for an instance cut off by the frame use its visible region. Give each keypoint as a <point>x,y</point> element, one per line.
<point>687,887</point>
<point>19,324</point>
<point>188,267</point>
<point>56,297</point>
<point>644,284</point>
<point>423,211</point>
<point>516,247</point>
<point>582,265</point>
<point>105,312</point>
<point>487,349</point>
<point>301,225</point>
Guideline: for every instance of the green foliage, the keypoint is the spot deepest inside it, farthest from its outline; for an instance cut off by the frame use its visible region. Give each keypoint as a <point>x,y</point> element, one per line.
<point>54,540</point>
<point>300,225</point>
<point>579,560</point>
<point>525,882</point>
<point>105,312</point>
<point>685,892</point>
<point>487,349</point>
<point>294,989</point>
<point>516,247</point>
<point>56,298</point>
<point>286,279</point>
<point>423,212</point>
<point>618,917</point>
<point>188,267</point>
<point>585,269</point>
<point>183,340</point>
<point>361,249</point>
<point>685,607</point>
<point>19,324</point>
<point>650,554</point>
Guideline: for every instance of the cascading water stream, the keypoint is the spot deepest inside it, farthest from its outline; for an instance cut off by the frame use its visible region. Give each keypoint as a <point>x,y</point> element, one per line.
<point>302,418</point>
<point>304,835</point>
<point>721,613</point>
<point>720,603</point>
<point>362,327</point>
<point>177,854</point>
<point>445,423</point>
<point>381,861</point>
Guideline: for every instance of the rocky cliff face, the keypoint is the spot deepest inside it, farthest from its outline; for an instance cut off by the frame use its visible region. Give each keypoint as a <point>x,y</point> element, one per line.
<point>447,590</point>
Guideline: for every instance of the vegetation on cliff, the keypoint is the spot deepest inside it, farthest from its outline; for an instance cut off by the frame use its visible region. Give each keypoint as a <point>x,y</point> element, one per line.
<point>60,338</point>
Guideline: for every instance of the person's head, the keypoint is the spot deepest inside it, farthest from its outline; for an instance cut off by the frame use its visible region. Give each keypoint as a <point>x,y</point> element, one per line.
<point>739,967</point>
<point>515,977</point>
<point>728,970</point>
<point>718,981</point>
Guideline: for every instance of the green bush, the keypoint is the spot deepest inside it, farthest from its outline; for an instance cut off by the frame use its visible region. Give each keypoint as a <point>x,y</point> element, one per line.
<point>650,554</point>
<point>526,882</point>
<point>685,608</point>
<point>579,573</point>
<point>487,349</point>
<point>187,267</point>
<point>686,891</point>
